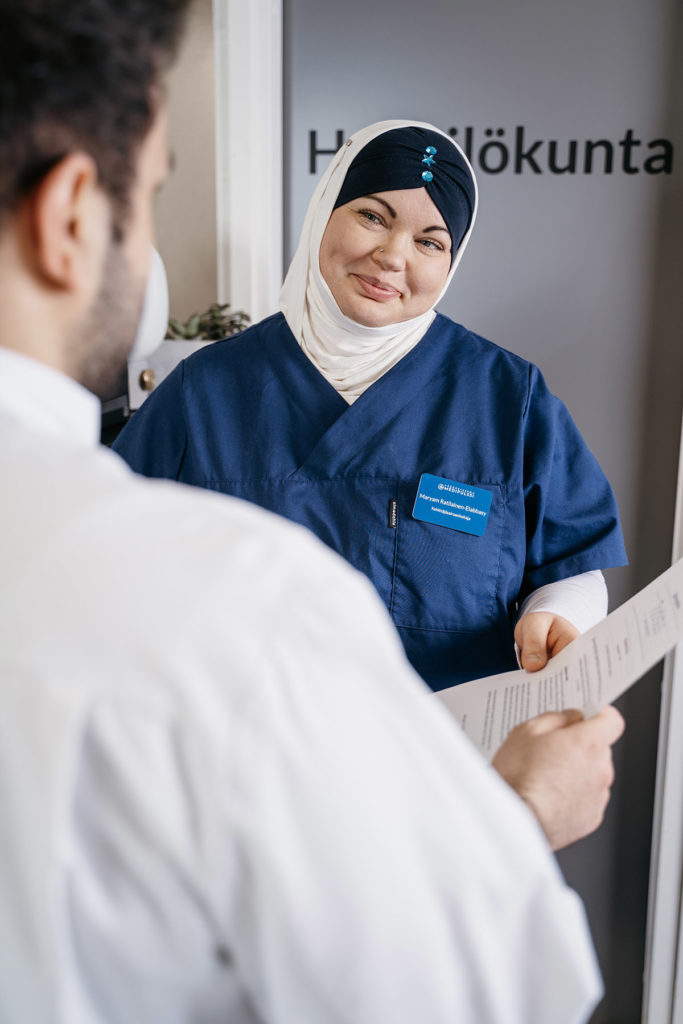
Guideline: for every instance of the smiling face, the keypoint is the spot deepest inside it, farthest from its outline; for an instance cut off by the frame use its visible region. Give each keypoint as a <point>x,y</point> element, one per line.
<point>386,257</point>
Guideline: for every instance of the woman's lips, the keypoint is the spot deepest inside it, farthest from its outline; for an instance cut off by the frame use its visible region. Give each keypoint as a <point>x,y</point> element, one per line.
<point>374,288</point>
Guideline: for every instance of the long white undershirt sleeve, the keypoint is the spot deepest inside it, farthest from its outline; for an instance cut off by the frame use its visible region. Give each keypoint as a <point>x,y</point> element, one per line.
<point>580,599</point>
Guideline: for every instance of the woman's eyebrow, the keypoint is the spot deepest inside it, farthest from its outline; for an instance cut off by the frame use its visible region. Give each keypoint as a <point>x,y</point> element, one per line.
<point>391,210</point>
<point>435,227</point>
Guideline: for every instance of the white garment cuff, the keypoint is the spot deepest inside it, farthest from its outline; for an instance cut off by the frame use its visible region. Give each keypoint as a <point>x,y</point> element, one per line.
<point>580,599</point>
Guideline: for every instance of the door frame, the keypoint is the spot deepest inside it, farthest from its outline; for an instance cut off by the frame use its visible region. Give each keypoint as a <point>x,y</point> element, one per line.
<point>249,153</point>
<point>663,976</point>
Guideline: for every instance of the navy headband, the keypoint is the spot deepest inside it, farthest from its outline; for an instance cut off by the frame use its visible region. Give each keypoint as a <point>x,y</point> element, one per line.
<point>415,158</point>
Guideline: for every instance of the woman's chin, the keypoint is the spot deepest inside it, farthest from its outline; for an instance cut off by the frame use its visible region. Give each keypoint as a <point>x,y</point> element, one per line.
<point>369,313</point>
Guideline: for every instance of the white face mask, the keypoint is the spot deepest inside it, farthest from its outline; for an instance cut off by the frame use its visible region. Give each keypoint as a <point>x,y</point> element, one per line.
<point>155,310</point>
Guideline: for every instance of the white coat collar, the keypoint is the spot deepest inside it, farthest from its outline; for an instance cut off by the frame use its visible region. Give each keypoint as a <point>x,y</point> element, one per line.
<point>46,400</point>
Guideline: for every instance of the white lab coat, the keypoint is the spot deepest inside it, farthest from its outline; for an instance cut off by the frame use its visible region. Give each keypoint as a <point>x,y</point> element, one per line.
<point>224,794</point>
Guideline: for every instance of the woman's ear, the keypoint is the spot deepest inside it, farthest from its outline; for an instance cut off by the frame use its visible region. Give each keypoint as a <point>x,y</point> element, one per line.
<point>70,224</point>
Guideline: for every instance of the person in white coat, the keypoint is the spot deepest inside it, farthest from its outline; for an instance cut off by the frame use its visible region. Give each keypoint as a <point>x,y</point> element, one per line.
<point>224,794</point>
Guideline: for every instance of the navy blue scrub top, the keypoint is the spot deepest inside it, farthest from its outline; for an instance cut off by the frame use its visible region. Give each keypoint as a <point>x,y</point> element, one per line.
<point>251,416</point>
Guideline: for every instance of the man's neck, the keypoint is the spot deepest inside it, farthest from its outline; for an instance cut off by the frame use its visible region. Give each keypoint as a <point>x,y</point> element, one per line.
<point>31,351</point>
<point>32,321</point>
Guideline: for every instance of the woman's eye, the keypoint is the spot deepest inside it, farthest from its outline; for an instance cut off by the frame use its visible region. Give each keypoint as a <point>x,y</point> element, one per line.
<point>430,243</point>
<point>371,216</point>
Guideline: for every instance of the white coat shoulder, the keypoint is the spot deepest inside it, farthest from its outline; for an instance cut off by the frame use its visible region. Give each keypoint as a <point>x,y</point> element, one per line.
<point>266,816</point>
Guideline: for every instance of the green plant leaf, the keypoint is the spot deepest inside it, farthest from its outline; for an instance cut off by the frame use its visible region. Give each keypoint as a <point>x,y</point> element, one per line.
<point>213,324</point>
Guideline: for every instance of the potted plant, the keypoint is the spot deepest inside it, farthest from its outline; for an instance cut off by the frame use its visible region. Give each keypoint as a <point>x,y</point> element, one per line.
<point>213,324</point>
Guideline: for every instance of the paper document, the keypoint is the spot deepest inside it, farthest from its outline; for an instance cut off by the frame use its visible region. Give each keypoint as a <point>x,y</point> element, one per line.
<point>591,672</point>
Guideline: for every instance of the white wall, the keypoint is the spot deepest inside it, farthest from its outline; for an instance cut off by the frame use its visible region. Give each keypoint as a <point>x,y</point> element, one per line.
<point>579,272</point>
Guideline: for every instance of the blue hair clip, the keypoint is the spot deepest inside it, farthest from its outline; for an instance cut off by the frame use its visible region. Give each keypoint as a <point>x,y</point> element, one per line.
<point>428,159</point>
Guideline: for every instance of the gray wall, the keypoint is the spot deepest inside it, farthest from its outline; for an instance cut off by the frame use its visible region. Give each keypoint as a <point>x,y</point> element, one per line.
<point>578,272</point>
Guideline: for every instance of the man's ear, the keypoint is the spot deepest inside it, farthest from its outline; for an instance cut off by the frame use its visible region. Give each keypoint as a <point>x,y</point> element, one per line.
<point>69,223</point>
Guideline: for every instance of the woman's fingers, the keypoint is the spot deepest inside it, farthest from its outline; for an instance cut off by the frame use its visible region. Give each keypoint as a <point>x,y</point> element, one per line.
<point>531,636</point>
<point>561,633</point>
<point>540,636</point>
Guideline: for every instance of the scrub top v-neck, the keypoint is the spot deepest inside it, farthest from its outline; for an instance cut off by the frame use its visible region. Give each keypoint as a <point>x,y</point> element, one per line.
<point>253,417</point>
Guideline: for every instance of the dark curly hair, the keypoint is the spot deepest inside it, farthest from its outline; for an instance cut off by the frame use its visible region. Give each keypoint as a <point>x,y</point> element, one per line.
<point>80,75</point>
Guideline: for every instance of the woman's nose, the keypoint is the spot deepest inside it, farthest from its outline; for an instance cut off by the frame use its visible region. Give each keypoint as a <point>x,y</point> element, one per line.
<point>390,256</point>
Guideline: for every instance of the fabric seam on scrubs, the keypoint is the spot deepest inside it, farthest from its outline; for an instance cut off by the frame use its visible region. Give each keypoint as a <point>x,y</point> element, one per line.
<point>183,456</point>
<point>216,482</point>
<point>437,629</point>
<point>527,403</point>
<point>574,565</point>
<point>504,498</point>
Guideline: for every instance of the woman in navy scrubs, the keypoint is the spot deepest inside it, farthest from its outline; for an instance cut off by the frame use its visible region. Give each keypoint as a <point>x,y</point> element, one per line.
<point>437,463</point>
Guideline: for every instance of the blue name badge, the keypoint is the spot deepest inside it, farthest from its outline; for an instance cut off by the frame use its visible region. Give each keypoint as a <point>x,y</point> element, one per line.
<point>452,504</point>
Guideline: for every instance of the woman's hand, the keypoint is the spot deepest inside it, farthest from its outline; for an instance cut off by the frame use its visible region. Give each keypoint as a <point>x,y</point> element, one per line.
<point>541,635</point>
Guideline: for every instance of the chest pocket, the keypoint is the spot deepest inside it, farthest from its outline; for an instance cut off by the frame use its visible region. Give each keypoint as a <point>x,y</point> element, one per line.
<point>443,578</point>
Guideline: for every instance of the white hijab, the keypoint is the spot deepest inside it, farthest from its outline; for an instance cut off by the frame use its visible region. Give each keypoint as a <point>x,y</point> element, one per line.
<point>349,355</point>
